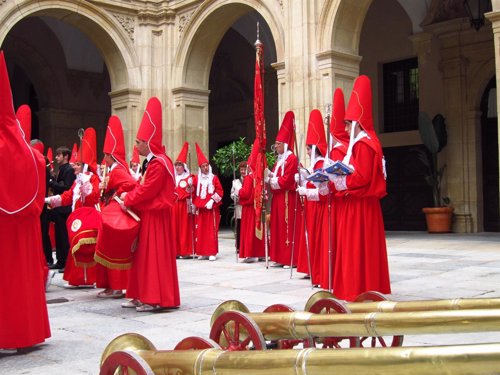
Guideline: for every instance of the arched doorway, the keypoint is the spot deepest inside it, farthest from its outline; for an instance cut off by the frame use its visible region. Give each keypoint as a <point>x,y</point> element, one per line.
<point>74,68</point>
<point>58,71</point>
<point>231,86</point>
<point>489,146</point>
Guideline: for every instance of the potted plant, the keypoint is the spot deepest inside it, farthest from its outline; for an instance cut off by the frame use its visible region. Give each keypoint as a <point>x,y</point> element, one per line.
<point>434,137</point>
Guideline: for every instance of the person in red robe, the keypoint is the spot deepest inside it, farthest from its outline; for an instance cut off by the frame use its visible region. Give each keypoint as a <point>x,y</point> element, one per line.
<point>110,274</point>
<point>184,218</point>
<point>286,213</point>
<point>251,247</point>
<point>134,165</point>
<point>208,198</point>
<point>153,282</point>
<point>315,198</point>
<point>361,258</point>
<point>338,148</point>
<point>83,193</point>
<point>24,319</point>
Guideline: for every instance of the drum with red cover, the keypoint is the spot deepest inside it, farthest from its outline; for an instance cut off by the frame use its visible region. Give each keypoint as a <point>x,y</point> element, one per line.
<point>83,225</point>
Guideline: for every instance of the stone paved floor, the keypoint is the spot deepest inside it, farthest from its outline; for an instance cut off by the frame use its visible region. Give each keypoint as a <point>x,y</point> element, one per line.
<point>422,266</point>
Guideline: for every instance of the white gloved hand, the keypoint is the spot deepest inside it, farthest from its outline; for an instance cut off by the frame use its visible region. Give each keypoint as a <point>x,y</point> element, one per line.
<point>296,178</point>
<point>86,189</point>
<point>302,190</point>
<point>190,181</point>
<point>47,200</point>
<point>303,173</point>
<point>209,204</point>
<point>274,183</point>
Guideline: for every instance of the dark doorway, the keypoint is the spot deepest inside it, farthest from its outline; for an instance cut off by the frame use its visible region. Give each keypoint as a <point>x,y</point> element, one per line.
<point>489,145</point>
<point>231,86</point>
<point>407,191</point>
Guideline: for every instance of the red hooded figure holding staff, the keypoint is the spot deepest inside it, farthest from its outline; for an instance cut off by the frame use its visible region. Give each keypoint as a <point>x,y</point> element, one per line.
<point>153,283</point>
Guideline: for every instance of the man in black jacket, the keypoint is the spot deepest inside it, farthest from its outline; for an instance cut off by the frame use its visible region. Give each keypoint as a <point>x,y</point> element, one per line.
<point>59,215</point>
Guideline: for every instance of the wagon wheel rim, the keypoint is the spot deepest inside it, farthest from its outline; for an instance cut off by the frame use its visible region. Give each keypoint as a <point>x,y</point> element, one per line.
<point>320,294</point>
<point>230,305</point>
<point>235,331</point>
<point>123,362</point>
<point>196,343</point>
<point>374,296</point>
<point>283,343</point>
<point>332,306</point>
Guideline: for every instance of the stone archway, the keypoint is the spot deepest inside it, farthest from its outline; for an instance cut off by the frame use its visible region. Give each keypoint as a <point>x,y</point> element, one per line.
<point>193,62</point>
<point>114,44</point>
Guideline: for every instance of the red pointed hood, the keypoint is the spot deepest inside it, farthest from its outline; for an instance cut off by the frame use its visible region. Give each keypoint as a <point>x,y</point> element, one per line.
<point>40,147</point>
<point>200,156</point>
<point>337,124</point>
<point>50,157</point>
<point>88,150</point>
<point>13,143</point>
<point>182,157</point>
<point>23,114</point>
<point>150,129</point>
<point>360,104</point>
<point>135,156</point>
<point>114,142</point>
<point>316,131</point>
<point>74,154</point>
<point>286,132</point>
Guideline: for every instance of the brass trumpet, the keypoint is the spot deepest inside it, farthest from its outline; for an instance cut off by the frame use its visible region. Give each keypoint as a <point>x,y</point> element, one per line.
<point>135,352</point>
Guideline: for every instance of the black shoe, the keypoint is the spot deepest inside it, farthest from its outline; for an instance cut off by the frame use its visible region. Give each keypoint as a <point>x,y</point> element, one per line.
<point>55,266</point>
<point>61,270</point>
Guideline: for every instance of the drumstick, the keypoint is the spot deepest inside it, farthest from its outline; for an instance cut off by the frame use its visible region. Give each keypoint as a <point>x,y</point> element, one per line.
<point>129,211</point>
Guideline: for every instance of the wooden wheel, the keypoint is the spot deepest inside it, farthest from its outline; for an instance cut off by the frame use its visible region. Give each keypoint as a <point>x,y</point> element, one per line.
<point>125,363</point>
<point>196,343</point>
<point>230,305</point>
<point>333,306</point>
<point>321,294</point>
<point>235,331</point>
<point>285,343</point>
<point>374,296</point>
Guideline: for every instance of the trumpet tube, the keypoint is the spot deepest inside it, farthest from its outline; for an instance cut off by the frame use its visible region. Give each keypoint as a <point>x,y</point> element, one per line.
<point>473,359</point>
<point>300,325</point>
<point>425,305</point>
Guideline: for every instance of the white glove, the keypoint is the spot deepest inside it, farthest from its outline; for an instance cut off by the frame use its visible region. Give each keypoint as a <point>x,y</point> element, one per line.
<point>47,200</point>
<point>340,183</point>
<point>274,183</point>
<point>190,181</point>
<point>312,195</point>
<point>302,190</point>
<point>268,175</point>
<point>296,178</point>
<point>86,188</point>
<point>303,173</point>
<point>323,188</point>
<point>209,204</point>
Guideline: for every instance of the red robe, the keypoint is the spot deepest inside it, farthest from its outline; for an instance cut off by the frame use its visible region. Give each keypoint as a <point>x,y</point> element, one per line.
<point>250,245</point>
<point>285,220</point>
<point>183,219</point>
<point>316,221</point>
<point>361,258</point>
<point>337,153</point>
<point>73,274</point>
<point>119,181</point>
<point>207,221</point>
<point>24,321</point>
<point>153,276</point>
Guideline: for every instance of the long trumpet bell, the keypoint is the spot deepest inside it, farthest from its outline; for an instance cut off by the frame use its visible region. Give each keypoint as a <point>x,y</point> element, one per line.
<point>476,359</point>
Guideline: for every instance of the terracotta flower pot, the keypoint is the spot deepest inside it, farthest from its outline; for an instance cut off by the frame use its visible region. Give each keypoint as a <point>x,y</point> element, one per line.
<point>438,219</point>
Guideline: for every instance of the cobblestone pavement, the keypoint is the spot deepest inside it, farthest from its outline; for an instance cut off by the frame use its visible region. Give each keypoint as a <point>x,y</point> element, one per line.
<point>422,266</point>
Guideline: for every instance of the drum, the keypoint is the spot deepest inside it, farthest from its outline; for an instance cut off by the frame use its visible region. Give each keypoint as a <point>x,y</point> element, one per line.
<point>117,237</point>
<point>83,224</point>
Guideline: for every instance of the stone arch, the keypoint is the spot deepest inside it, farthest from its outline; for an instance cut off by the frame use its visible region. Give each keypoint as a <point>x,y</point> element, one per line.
<point>206,28</point>
<point>193,60</point>
<point>105,32</point>
<point>340,25</point>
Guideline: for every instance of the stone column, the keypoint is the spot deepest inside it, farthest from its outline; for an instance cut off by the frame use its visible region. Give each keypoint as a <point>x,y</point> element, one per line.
<point>190,119</point>
<point>494,17</point>
<point>126,104</point>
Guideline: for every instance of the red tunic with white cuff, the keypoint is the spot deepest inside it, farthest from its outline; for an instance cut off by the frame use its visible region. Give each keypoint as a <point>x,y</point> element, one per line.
<point>184,220</point>
<point>207,219</point>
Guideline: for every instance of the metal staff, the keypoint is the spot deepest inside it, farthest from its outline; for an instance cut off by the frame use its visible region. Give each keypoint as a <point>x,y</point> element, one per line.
<point>301,200</point>
<point>235,216</point>
<point>190,205</point>
<point>327,157</point>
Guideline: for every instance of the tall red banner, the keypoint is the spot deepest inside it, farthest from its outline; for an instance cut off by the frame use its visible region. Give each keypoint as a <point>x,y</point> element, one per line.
<point>260,136</point>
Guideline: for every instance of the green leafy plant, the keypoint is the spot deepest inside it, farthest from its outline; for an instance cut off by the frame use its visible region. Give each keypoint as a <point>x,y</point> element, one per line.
<point>435,138</point>
<point>223,157</point>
